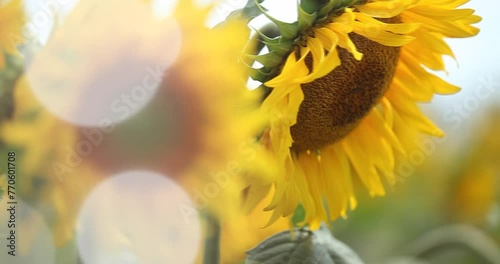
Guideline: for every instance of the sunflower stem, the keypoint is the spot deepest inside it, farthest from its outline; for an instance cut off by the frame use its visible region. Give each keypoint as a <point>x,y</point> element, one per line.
<point>212,240</point>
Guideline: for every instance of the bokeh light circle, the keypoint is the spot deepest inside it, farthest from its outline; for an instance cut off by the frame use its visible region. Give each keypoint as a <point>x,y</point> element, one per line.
<point>138,217</point>
<point>33,238</point>
<point>104,64</point>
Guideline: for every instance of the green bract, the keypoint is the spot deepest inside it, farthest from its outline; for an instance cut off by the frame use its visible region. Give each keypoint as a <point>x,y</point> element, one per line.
<point>309,12</point>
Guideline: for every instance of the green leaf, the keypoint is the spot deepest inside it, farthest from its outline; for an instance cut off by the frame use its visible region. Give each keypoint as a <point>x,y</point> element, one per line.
<point>305,246</point>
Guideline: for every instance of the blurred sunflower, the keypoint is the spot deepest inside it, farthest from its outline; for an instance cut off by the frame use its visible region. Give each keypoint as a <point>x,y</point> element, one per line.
<point>203,117</point>
<point>343,85</point>
<point>474,188</point>
<point>11,24</point>
<point>57,198</point>
<point>220,118</point>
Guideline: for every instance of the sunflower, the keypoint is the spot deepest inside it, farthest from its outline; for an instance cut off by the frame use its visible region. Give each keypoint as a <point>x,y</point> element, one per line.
<point>343,83</point>
<point>11,24</point>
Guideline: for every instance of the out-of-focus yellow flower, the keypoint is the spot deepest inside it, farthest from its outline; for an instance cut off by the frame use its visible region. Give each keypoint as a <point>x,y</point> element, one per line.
<point>218,119</point>
<point>475,194</point>
<point>347,90</point>
<point>12,21</point>
<point>36,130</point>
<point>42,139</point>
<point>222,118</point>
<point>204,89</point>
<point>476,186</point>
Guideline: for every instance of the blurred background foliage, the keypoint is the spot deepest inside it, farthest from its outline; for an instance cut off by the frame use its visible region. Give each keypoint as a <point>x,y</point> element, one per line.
<point>450,188</point>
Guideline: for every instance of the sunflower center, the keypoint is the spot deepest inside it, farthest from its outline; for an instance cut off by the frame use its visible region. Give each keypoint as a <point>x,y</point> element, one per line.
<point>336,103</point>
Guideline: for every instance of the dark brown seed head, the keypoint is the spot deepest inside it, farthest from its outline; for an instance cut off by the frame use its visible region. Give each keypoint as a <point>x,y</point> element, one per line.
<point>335,104</point>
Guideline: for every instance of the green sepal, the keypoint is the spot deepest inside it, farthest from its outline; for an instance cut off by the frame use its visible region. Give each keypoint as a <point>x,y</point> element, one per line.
<point>306,20</point>
<point>277,44</point>
<point>269,60</point>
<point>312,6</point>
<point>333,5</point>
<point>325,10</point>
<point>281,49</point>
<point>259,74</point>
<point>248,12</point>
<point>287,30</point>
<point>266,39</point>
<point>299,216</point>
